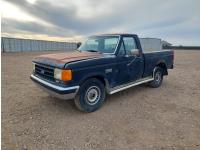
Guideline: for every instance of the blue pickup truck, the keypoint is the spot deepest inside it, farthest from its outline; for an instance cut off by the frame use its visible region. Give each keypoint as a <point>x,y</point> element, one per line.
<point>103,64</point>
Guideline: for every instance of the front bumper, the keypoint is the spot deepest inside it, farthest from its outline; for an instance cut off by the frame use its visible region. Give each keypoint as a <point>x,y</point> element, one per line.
<point>54,90</point>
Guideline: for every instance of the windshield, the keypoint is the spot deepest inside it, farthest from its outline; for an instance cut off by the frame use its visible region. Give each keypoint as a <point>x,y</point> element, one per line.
<point>103,44</point>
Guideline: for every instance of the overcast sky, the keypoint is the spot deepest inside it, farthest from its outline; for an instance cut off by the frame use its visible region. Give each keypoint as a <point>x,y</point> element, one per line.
<point>176,21</point>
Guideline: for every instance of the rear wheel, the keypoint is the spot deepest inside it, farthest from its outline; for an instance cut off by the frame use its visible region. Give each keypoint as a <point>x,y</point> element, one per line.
<point>91,95</point>
<point>158,78</point>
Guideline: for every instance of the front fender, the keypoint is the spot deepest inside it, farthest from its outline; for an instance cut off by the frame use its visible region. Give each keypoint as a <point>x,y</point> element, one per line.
<point>92,75</point>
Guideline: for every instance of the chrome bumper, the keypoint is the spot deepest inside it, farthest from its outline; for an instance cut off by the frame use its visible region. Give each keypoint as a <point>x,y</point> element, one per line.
<point>54,90</point>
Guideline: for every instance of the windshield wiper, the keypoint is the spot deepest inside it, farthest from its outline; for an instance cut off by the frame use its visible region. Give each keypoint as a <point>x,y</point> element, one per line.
<point>91,50</point>
<point>77,50</point>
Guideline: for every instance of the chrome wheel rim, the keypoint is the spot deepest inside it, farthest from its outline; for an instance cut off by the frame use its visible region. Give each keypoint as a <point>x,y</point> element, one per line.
<point>92,95</point>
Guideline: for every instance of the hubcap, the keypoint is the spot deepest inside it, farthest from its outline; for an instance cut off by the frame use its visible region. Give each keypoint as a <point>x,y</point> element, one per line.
<point>158,77</point>
<point>92,95</point>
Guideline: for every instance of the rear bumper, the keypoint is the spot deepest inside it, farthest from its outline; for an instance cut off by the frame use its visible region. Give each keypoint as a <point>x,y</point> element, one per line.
<point>54,90</point>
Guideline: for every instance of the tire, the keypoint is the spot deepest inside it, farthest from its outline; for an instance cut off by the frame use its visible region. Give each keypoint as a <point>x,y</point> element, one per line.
<point>158,78</point>
<point>91,95</point>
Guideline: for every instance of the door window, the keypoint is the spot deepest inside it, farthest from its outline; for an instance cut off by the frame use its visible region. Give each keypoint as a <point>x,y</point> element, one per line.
<point>129,43</point>
<point>122,50</point>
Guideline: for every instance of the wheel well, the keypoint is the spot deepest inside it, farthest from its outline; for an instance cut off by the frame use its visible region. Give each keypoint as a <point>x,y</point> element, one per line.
<point>100,78</point>
<point>164,67</point>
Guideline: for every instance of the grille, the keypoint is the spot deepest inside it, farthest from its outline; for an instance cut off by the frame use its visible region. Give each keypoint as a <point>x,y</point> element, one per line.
<point>44,72</point>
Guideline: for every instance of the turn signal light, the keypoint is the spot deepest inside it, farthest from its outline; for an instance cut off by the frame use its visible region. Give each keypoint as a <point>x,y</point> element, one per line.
<point>66,75</point>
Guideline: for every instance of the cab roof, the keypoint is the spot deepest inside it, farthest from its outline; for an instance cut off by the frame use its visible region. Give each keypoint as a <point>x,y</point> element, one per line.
<point>115,34</point>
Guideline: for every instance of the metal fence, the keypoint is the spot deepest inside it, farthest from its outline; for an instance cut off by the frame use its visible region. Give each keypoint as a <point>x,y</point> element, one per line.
<point>20,45</point>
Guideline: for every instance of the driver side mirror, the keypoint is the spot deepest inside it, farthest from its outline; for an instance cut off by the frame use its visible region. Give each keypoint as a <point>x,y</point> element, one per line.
<point>78,44</point>
<point>135,52</point>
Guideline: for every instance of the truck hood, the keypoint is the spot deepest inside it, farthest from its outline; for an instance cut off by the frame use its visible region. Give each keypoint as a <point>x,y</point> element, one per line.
<point>60,59</point>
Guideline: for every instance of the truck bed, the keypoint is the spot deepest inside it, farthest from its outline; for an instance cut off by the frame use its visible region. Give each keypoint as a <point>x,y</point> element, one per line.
<point>151,59</point>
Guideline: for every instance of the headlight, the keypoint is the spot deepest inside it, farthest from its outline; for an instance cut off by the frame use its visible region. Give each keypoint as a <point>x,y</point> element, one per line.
<point>65,75</point>
<point>33,66</point>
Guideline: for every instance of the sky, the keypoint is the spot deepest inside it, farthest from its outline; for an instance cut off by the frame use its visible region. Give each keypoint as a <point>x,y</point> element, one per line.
<point>176,21</point>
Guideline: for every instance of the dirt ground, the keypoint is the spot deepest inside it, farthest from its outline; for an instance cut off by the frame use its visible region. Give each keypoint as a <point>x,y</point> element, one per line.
<point>165,118</point>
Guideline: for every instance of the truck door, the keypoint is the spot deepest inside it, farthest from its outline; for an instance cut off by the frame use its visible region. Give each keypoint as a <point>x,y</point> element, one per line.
<point>130,66</point>
<point>135,62</point>
<point>121,71</point>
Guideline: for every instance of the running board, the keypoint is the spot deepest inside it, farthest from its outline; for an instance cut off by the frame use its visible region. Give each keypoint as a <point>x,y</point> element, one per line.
<point>126,86</point>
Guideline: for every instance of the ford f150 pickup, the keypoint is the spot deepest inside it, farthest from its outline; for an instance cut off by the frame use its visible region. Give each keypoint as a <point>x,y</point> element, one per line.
<point>103,64</point>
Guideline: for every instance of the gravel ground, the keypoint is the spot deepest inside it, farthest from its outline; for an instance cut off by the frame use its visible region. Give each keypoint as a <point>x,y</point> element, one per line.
<point>138,118</point>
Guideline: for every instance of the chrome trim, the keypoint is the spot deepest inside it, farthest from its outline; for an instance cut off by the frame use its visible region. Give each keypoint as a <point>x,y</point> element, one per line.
<point>54,94</point>
<point>126,86</point>
<point>129,85</point>
<point>54,86</point>
<point>157,51</point>
<point>43,65</point>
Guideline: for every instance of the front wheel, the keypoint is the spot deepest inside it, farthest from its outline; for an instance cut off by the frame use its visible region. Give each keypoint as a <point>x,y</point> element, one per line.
<point>158,78</point>
<point>91,95</point>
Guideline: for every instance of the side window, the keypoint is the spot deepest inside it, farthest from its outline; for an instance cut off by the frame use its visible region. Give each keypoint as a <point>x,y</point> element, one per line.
<point>121,50</point>
<point>129,43</point>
